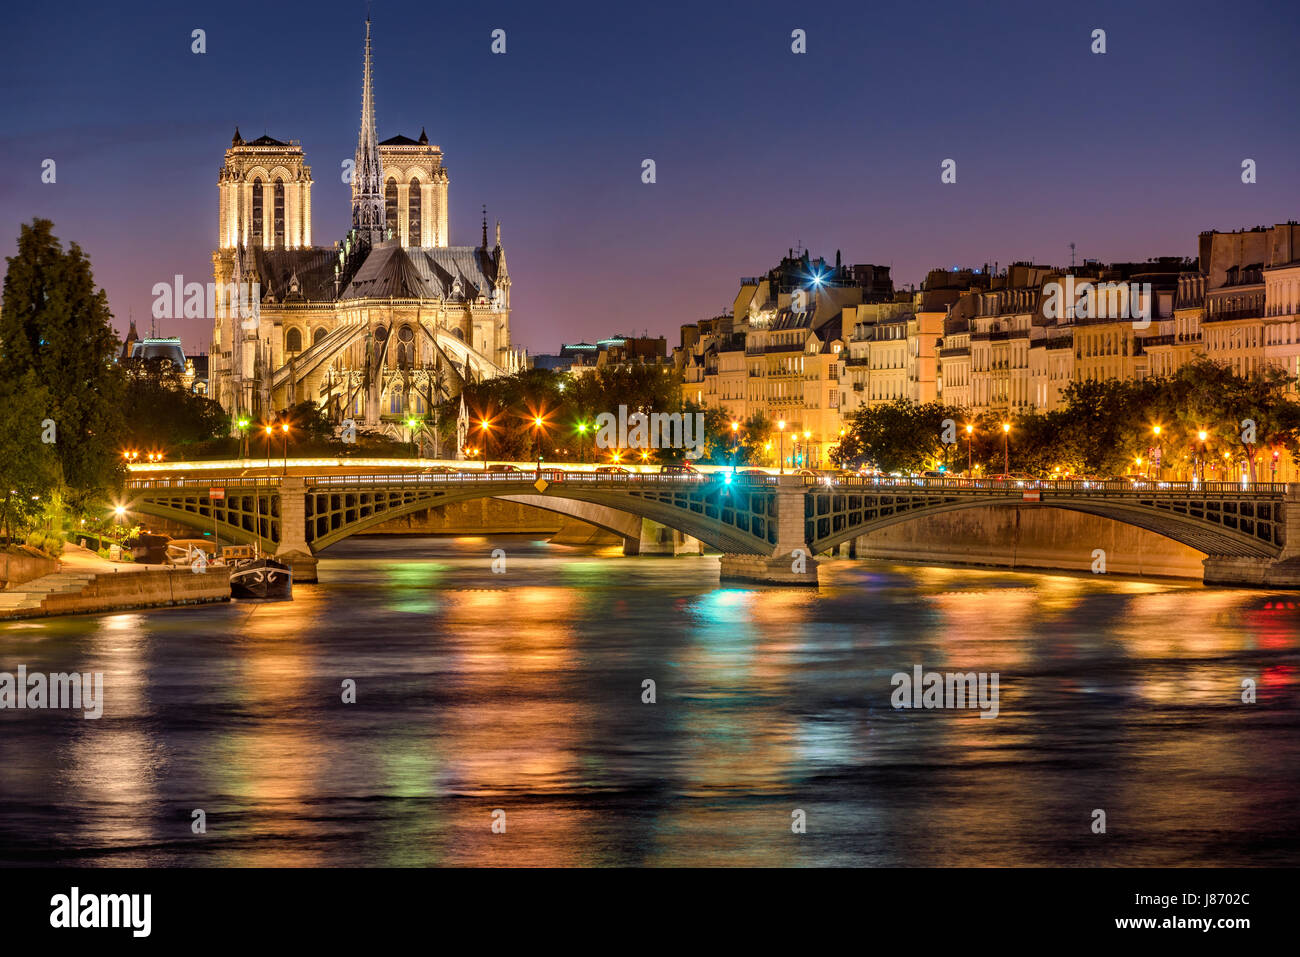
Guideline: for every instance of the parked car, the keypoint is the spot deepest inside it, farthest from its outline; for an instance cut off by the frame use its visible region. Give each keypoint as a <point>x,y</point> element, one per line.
<point>439,470</point>
<point>504,468</point>
<point>678,468</point>
<point>611,470</point>
<point>935,474</point>
<point>1015,478</point>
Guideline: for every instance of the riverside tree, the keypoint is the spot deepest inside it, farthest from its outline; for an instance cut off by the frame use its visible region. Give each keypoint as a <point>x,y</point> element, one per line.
<point>28,470</point>
<point>56,325</point>
<point>900,435</point>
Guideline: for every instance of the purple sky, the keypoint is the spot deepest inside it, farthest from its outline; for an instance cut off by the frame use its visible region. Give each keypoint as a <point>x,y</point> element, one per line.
<point>1128,154</point>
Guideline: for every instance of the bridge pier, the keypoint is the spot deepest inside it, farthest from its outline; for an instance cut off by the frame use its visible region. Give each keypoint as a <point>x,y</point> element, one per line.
<point>293,549</point>
<point>1280,572</point>
<point>785,569</point>
<point>791,561</point>
<point>1252,572</point>
<point>659,539</point>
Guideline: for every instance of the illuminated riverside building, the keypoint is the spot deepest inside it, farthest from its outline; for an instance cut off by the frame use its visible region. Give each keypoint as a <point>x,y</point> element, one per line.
<point>781,351</point>
<point>1003,342</point>
<point>380,326</point>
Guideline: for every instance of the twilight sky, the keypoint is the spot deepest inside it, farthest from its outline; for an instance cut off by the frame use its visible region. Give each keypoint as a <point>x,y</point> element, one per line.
<point>1128,154</point>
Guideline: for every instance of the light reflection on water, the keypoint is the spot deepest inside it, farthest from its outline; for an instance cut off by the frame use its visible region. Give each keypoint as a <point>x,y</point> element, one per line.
<point>522,691</point>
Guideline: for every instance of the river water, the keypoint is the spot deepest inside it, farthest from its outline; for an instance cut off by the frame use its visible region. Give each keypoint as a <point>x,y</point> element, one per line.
<point>522,692</point>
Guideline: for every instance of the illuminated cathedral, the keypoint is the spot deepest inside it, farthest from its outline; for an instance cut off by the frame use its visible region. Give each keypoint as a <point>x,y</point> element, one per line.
<point>377,328</point>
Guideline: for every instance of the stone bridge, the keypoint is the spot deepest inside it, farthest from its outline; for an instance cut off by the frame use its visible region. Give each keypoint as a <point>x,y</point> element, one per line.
<point>769,528</point>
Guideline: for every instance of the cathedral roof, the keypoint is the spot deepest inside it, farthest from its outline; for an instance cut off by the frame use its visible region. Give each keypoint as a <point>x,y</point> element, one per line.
<point>400,140</point>
<point>423,273</point>
<point>263,140</point>
<point>314,268</point>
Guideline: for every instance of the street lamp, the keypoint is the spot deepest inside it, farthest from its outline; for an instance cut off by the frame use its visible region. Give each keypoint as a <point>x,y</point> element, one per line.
<point>485,428</point>
<point>1006,448</point>
<point>412,424</point>
<point>807,441</point>
<point>538,424</point>
<point>582,433</point>
<point>1200,458</point>
<point>270,436</point>
<point>284,427</point>
<point>735,445</point>
<point>1160,452</point>
<point>781,463</point>
<point>970,432</point>
<point>242,426</point>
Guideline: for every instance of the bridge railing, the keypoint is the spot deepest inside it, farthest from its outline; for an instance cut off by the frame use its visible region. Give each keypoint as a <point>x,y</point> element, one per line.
<point>1097,486</point>
<point>212,481</point>
<point>695,479</point>
<point>599,479</point>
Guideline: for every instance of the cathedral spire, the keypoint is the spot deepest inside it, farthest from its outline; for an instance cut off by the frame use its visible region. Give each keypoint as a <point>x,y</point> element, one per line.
<point>367,175</point>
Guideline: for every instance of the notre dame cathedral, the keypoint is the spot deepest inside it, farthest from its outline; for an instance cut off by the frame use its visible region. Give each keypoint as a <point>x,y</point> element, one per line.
<point>377,328</point>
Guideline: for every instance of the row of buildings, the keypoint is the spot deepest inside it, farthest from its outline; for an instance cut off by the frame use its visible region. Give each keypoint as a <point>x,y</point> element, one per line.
<point>809,343</point>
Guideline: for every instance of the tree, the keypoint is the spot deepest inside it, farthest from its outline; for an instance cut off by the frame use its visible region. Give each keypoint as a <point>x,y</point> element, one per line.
<point>162,414</point>
<point>28,468</point>
<point>901,435</point>
<point>56,324</point>
<point>1240,412</point>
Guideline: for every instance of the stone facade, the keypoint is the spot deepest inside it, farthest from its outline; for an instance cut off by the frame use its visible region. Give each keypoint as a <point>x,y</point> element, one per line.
<point>377,328</point>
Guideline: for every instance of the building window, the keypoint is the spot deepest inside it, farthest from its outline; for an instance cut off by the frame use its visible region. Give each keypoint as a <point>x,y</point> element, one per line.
<point>390,209</point>
<point>318,335</point>
<point>257,212</point>
<point>293,340</point>
<point>278,213</point>
<point>413,215</point>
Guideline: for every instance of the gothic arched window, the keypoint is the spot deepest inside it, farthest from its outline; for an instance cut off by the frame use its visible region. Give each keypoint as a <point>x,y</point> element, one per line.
<point>278,221</point>
<point>395,400</point>
<point>257,212</point>
<point>293,340</point>
<point>390,209</point>
<point>318,335</point>
<point>413,215</point>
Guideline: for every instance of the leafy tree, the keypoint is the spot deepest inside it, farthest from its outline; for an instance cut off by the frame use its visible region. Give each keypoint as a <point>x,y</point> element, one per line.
<point>56,324</point>
<point>162,414</point>
<point>901,435</point>
<point>1246,413</point>
<point>28,468</point>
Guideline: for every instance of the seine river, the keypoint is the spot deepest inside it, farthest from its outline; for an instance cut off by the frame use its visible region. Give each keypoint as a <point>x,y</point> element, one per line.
<point>522,693</point>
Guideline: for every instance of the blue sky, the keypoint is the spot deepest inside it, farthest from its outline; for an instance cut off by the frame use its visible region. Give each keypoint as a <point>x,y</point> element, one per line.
<point>1127,154</point>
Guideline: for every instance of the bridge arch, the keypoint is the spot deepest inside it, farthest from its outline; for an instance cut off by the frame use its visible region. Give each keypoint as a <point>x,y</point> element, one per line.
<point>735,520</point>
<point>1215,524</point>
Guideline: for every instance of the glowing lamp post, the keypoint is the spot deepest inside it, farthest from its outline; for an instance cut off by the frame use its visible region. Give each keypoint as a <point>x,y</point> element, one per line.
<point>1006,448</point>
<point>412,424</point>
<point>538,424</point>
<point>781,462</point>
<point>485,427</point>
